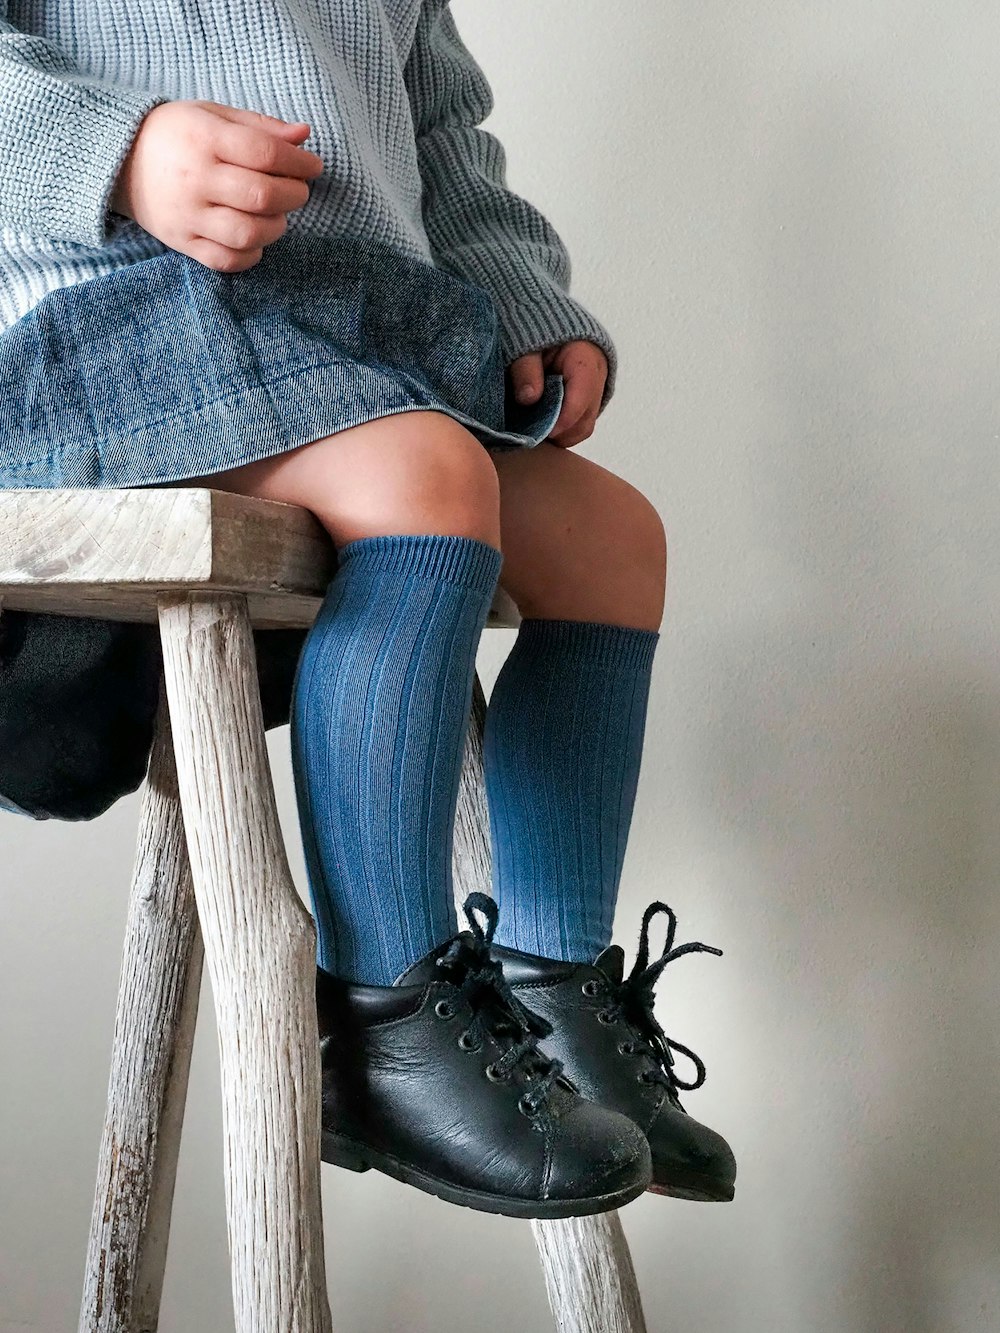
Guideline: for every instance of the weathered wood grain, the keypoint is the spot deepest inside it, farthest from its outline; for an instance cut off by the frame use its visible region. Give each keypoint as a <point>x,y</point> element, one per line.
<point>111,553</point>
<point>260,948</point>
<point>589,1275</point>
<point>151,1057</point>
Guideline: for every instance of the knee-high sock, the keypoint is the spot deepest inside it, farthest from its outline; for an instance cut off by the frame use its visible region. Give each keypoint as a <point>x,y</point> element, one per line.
<point>380,708</point>
<point>563,741</point>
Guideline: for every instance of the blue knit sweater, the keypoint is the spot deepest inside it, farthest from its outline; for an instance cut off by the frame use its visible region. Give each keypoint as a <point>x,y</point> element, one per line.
<point>394,100</point>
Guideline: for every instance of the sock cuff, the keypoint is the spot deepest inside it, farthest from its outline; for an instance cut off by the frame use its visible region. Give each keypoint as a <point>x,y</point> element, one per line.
<point>591,642</point>
<point>442,556</point>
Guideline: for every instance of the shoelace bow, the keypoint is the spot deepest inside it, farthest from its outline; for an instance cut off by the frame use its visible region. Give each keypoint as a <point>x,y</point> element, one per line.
<point>478,979</point>
<point>632,999</point>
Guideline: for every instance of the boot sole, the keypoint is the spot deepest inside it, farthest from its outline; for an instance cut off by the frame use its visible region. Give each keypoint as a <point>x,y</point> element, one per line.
<point>354,1156</point>
<point>695,1186</point>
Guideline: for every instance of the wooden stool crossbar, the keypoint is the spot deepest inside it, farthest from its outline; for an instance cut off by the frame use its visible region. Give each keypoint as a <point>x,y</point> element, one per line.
<point>211,882</point>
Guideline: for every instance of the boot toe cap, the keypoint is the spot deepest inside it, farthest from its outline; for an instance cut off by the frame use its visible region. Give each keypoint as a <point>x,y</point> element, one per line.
<point>689,1159</point>
<point>598,1154</point>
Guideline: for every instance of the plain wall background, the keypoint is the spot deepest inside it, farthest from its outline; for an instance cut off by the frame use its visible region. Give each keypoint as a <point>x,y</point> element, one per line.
<point>786,214</point>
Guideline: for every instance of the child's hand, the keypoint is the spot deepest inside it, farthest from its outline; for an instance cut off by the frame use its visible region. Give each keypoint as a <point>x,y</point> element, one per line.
<point>584,368</point>
<point>215,181</point>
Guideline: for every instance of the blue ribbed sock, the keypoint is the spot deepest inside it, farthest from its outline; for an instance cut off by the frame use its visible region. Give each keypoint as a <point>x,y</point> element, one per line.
<point>380,708</point>
<point>562,747</point>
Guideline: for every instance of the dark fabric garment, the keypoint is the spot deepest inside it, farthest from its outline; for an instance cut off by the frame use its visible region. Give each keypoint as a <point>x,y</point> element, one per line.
<point>78,700</point>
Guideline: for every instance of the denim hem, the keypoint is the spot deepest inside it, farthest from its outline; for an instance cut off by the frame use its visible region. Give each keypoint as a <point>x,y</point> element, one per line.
<point>166,369</point>
<point>250,425</point>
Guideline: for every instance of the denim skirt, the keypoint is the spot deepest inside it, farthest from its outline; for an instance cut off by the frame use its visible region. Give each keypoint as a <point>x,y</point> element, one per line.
<point>164,369</point>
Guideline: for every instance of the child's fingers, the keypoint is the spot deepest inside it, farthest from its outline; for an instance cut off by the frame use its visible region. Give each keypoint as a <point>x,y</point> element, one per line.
<point>236,230</point>
<point>248,117</point>
<point>255,191</point>
<point>250,139</point>
<point>581,399</point>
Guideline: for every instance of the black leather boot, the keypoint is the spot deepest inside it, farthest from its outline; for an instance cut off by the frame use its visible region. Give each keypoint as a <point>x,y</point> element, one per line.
<point>606,1036</point>
<point>438,1080</point>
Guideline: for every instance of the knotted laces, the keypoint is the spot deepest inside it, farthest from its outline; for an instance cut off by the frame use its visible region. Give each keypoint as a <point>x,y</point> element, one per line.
<point>478,979</point>
<point>632,1000</point>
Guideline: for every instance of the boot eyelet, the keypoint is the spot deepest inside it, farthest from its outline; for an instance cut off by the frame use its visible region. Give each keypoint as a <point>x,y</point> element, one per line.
<point>604,1017</point>
<point>466,1043</point>
<point>644,1077</point>
<point>494,1076</point>
<point>626,1048</point>
<point>590,988</point>
<point>444,1010</point>
<point>527,1107</point>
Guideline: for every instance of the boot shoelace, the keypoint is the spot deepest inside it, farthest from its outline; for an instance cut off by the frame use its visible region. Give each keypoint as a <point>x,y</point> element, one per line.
<point>632,1000</point>
<point>477,979</point>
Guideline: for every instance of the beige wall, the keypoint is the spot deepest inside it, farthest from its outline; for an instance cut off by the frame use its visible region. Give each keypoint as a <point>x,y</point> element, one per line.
<point>786,213</point>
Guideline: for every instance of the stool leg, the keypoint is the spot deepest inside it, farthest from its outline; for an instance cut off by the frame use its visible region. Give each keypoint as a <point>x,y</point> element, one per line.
<point>586,1261</point>
<point>589,1275</point>
<point>260,948</point>
<point>150,1060</point>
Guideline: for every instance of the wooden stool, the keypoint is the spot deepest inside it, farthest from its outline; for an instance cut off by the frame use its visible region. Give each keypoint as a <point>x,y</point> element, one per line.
<point>211,880</point>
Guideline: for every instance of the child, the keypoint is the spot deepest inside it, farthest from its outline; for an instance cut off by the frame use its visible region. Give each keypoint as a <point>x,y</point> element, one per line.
<point>380,331</point>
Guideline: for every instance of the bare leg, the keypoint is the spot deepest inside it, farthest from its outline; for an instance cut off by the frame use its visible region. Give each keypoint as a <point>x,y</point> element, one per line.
<point>579,542</point>
<point>415,472</point>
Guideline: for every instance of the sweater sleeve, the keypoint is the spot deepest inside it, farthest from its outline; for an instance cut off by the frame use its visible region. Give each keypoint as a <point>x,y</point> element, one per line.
<point>477,226</point>
<point>63,136</point>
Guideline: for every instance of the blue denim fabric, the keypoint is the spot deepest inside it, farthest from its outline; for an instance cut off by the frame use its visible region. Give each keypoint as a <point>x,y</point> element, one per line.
<point>165,368</point>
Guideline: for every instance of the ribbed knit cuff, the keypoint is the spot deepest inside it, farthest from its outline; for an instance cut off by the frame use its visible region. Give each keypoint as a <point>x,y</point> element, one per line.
<point>87,130</point>
<point>444,557</point>
<point>591,642</point>
<point>555,319</point>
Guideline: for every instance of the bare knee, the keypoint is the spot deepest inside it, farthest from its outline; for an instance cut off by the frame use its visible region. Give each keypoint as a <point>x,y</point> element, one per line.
<point>416,476</point>
<point>444,479</point>
<point>643,548</point>
<point>628,519</point>
<point>647,533</point>
<point>414,472</point>
<point>579,541</point>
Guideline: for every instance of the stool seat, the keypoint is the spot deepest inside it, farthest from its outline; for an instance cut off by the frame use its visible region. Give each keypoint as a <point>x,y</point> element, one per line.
<point>111,553</point>
<point>211,884</point>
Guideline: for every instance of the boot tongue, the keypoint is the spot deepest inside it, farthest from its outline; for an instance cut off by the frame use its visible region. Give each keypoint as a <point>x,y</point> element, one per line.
<point>525,969</point>
<point>425,969</point>
<point>612,962</point>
